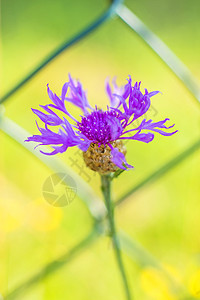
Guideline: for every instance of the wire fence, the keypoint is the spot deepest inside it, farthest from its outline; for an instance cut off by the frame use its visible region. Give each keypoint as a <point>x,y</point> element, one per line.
<point>95,206</point>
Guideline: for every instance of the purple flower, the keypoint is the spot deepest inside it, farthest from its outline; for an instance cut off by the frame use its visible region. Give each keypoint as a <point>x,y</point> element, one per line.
<point>97,126</point>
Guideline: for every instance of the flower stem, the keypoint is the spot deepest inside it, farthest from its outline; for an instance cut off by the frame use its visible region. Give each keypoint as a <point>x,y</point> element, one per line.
<point>106,189</point>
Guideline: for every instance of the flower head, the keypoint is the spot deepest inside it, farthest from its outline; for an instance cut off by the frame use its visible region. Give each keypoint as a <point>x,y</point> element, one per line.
<point>99,133</point>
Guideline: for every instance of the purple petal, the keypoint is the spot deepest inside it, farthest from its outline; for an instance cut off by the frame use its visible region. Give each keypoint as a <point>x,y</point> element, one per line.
<point>57,150</point>
<point>50,93</point>
<point>59,103</point>
<point>164,133</point>
<point>142,137</point>
<point>50,119</point>
<point>54,98</point>
<point>119,160</point>
<point>65,139</point>
<point>109,92</point>
<point>153,93</point>
<point>64,90</point>
<point>77,95</point>
<point>84,145</point>
<point>114,100</point>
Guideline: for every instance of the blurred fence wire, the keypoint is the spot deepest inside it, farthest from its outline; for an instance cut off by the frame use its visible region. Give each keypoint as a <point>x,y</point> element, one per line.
<point>94,205</point>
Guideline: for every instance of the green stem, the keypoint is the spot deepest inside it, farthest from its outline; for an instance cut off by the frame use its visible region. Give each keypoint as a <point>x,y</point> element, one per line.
<point>106,189</point>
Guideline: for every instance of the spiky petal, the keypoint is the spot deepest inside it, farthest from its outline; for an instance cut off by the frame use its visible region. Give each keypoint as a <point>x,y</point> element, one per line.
<point>104,129</point>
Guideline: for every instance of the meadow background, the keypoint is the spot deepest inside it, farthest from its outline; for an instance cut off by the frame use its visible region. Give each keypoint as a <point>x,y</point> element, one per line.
<point>163,216</point>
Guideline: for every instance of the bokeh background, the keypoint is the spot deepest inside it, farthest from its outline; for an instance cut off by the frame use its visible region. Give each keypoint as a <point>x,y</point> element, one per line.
<point>163,217</point>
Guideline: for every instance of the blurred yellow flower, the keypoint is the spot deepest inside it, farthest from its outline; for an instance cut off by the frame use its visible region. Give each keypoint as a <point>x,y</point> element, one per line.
<point>155,285</point>
<point>11,215</point>
<point>42,216</point>
<point>194,284</point>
